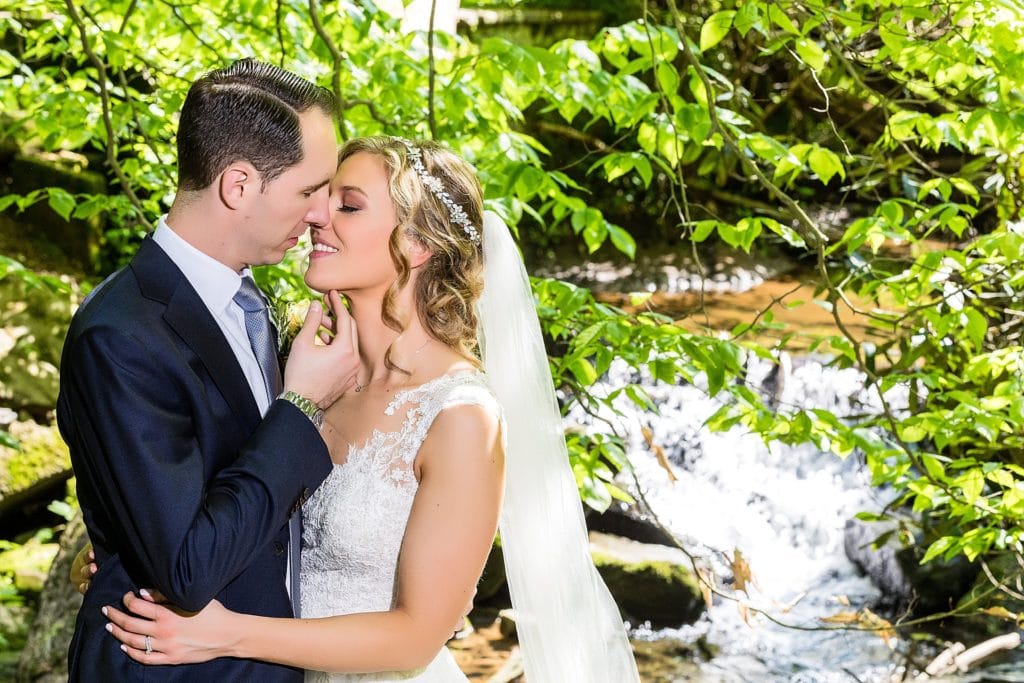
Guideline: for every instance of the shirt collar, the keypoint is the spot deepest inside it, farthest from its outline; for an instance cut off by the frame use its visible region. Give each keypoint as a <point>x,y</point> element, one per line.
<point>214,282</point>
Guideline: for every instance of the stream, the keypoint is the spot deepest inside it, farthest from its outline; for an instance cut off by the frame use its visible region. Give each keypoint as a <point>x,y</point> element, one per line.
<point>784,508</point>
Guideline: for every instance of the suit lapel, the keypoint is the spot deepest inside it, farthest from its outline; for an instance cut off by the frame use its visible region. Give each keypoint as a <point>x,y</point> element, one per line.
<point>187,315</point>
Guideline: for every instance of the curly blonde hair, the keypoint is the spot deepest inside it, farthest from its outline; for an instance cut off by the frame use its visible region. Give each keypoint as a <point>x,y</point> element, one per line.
<point>449,283</point>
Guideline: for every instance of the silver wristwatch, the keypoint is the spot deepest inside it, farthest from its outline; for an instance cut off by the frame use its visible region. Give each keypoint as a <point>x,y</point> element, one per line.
<point>308,408</point>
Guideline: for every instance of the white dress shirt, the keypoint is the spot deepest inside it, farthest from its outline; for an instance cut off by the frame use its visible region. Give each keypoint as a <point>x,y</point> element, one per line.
<point>216,284</point>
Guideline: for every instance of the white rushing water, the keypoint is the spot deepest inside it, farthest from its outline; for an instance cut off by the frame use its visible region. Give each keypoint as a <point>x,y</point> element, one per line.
<point>783,507</point>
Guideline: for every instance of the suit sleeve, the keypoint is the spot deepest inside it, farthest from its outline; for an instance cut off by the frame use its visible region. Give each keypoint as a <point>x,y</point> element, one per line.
<point>138,440</point>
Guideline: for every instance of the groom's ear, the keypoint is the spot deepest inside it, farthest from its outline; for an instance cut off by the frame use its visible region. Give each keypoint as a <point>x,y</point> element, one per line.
<point>237,183</point>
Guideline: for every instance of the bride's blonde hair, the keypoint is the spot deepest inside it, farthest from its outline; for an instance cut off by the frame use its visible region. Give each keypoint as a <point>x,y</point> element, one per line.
<point>449,283</point>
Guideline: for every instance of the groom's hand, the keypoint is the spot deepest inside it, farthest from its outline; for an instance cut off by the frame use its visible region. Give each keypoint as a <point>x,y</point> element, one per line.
<point>323,372</point>
<point>82,569</point>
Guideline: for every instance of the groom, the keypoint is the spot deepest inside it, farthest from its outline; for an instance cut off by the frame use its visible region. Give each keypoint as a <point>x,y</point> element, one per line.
<point>171,394</point>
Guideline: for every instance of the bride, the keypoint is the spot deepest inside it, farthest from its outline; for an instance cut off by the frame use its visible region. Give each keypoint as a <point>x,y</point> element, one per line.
<point>453,408</point>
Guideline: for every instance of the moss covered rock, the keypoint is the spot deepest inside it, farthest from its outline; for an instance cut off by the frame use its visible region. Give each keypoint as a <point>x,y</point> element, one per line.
<point>41,461</point>
<point>649,582</point>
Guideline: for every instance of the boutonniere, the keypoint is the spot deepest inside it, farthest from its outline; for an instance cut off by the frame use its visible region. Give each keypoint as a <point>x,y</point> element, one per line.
<point>288,317</point>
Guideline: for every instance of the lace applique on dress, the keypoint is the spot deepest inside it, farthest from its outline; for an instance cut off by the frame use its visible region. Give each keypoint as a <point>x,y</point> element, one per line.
<point>354,523</point>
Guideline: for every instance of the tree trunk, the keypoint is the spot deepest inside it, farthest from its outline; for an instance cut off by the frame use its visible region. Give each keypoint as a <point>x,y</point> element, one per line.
<point>45,657</point>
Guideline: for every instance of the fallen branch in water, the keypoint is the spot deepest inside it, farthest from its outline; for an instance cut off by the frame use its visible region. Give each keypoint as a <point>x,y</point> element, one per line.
<point>956,659</point>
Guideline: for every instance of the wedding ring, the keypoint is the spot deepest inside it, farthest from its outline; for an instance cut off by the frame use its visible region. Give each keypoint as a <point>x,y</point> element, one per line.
<point>149,645</point>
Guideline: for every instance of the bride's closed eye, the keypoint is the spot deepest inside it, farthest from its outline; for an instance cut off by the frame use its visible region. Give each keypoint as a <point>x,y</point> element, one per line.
<point>345,208</point>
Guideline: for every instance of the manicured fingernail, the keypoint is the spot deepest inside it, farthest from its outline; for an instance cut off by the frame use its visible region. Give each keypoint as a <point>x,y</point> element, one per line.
<point>144,593</point>
<point>104,610</point>
<point>110,628</point>
<point>124,648</point>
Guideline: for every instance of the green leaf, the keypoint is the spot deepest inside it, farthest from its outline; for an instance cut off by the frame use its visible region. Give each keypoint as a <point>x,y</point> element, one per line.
<point>642,165</point>
<point>715,29</point>
<point>584,372</point>
<point>668,78</point>
<point>702,229</point>
<point>622,240</point>
<point>61,202</point>
<point>825,163</point>
<point>779,18</point>
<point>809,51</point>
<point>971,483</point>
<point>937,548</point>
<point>976,327</point>
<point>748,17</point>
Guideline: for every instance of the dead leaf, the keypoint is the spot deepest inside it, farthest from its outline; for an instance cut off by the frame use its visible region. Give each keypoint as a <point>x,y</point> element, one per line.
<point>867,620</point>
<point>744,612</point>
<point>844,617</point>
<point>706,579</point>
<point>741,572</point>
<point>659,453</point>
<point>1000,612</point>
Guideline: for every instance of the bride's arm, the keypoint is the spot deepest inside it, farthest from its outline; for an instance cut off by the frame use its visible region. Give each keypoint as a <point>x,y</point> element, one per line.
<point>452,523</point>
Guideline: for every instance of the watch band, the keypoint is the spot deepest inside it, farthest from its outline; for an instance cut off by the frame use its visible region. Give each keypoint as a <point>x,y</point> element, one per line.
<point>308,408</point>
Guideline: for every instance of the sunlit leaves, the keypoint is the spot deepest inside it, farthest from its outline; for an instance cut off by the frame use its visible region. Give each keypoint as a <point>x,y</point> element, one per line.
<point>715,28</point>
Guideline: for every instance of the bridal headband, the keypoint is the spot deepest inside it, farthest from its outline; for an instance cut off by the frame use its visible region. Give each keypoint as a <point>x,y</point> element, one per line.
<point>433,183</point>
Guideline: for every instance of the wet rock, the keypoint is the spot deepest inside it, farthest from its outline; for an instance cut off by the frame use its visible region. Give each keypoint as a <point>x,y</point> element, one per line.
<point>626,520</point>
<point>652,583</point>
<point>492,582</point>
<point>896,569</point>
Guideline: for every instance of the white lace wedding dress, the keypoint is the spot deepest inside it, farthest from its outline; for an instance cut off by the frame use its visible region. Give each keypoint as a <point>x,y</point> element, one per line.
<point>354,523</point>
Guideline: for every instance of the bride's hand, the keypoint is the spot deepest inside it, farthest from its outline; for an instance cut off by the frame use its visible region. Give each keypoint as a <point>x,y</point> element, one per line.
<point>174,637</point>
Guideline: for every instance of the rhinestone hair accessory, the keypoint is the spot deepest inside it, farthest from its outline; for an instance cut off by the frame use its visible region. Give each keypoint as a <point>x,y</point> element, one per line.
<point>431,182</point>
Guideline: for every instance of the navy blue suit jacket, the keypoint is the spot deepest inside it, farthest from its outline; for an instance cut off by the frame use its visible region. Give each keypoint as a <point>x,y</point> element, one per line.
<point>183,487</point>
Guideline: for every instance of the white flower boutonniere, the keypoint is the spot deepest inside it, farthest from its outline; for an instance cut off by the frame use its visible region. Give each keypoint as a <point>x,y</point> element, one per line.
<point>287,317</point>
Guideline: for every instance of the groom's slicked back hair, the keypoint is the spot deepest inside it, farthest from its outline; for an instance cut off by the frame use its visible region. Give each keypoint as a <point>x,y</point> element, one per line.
<point>248,111</point>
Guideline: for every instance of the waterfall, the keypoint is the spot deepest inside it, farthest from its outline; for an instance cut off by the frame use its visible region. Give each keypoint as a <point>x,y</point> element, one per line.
<point>783,507</point>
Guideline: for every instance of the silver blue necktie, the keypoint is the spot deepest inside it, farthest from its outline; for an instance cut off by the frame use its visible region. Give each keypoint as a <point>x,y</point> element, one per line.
<point>262,336</point>
<point>263,340</point>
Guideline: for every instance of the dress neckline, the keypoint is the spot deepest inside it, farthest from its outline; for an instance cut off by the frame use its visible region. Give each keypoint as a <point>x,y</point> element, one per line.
<point>400,399</point>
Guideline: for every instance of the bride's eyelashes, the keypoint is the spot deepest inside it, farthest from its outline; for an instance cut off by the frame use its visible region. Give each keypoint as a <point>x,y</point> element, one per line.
<point>345,208</point>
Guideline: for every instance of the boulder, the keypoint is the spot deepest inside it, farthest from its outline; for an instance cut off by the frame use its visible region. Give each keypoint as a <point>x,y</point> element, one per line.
<point>30,474</point>
<point>652,583</point>
<point>626,520</point>
<point>896,569</point>
<point>44,659</point>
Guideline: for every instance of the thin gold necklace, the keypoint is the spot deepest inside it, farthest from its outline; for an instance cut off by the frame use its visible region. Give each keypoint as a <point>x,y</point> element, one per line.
<point>360,386</point>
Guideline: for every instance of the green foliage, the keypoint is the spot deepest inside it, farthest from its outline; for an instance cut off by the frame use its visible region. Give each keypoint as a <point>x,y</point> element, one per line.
<point>727,121</point>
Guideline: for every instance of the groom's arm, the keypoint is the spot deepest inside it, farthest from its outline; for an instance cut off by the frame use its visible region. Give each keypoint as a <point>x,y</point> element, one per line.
<point>139,452</point>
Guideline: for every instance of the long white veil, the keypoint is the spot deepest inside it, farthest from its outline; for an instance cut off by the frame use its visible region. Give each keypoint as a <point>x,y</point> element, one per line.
<point>569,627</point>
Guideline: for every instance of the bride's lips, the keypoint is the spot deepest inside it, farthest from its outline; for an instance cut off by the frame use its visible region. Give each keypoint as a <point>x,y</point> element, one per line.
<point>322,250</point>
